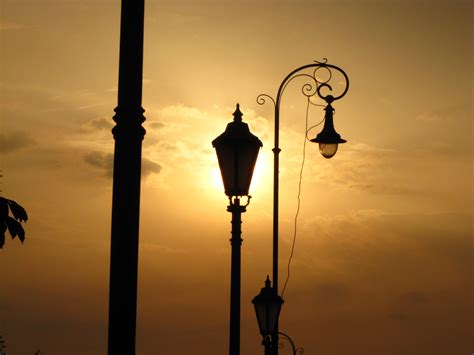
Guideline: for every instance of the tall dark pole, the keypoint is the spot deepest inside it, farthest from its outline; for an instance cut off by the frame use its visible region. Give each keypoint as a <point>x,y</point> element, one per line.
<point>236,241</point>
<point>128,134</point>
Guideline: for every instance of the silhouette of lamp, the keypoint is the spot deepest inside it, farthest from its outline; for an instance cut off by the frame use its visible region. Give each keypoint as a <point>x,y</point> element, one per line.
<point>328,140</point>
<point>237,150</point>
<point>267,309</point>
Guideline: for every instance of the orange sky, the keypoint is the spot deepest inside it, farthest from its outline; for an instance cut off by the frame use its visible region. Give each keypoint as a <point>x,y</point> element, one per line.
<point>383,260</point>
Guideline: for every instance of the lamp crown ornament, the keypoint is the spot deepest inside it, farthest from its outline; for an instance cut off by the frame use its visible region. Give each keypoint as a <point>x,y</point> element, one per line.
<point>237,114</point>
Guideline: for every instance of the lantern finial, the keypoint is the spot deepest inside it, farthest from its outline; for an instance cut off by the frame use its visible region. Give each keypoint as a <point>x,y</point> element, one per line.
<point>237,114</point>
<point>268,282</point>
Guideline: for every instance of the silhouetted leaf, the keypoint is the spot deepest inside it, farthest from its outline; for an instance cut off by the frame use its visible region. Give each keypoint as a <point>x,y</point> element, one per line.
<point>3,228</point>
<point>21,234</point>
<point>11,223</point>
<point>18,212</point>
<point>15,229</point>
<point>3,209</point>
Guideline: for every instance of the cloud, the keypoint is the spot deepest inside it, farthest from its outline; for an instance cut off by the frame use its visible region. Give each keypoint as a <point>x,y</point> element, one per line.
<point>332,291</point>
<point>181,111</point>
<point>155,125</point>
<point>149,166</point>
<point>11,142</point>
<point>411,306</point>
<point>11,26</point>
<point>448,114</point>
<point>105,162</point>
<point>414,297</point>
<point>399,316</point>
<point>100,124</point>
<point>365,168</point>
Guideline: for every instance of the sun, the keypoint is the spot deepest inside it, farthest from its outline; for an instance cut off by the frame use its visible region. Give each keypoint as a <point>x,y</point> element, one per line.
<point>262,168</point>
<point>260,174</point>
<point>217,179</point>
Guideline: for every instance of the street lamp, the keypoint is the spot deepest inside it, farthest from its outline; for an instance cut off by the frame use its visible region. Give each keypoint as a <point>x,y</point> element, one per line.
<point>237,150</point>
<point>328,139</point>
<point>267,309</point>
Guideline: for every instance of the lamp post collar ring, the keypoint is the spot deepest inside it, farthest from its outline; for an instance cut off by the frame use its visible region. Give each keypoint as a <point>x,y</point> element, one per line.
<point>234,203</point>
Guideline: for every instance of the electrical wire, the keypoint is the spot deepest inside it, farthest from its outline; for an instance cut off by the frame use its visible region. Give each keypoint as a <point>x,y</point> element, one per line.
<point>299,194</point>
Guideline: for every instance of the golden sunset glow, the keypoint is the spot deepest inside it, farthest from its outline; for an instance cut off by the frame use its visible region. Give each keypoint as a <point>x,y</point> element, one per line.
<point>383,257</point>
<point>217,180</point>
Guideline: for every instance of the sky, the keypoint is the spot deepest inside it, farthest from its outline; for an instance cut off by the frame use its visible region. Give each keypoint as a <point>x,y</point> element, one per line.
<point>383,261</point>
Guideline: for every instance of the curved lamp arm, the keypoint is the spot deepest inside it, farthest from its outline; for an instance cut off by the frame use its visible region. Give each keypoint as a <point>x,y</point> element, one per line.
<point>296,351</point>
<point>310,89</point>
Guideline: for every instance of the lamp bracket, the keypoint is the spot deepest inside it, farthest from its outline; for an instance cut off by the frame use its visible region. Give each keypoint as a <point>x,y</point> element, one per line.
<point>315,85</point>
<point>295,350</point>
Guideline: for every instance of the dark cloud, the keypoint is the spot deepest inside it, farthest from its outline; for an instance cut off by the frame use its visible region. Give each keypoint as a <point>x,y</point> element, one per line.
<point>102,123</point>
<point>411,305</point>
<point>399,316</point>
<point>155,125</point>
<point>11,26</point>
<point>332,291</point>
<point>149,166</point>
<point>414,297</point>
<point>11,142</point>
<point>105,162</point>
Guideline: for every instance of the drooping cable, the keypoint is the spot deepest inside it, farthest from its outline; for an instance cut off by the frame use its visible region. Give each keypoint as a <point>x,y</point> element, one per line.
<point>298,203</point>
<point>299,193</point>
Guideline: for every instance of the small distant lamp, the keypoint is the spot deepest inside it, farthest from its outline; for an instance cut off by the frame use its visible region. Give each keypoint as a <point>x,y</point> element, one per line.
<point>237,150</point>
<point>328,138</point>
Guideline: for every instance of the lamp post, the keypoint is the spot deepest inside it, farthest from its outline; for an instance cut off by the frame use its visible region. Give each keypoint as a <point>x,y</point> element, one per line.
<point>237,150</point>
<point>128,134</point>
<point>328,139</point>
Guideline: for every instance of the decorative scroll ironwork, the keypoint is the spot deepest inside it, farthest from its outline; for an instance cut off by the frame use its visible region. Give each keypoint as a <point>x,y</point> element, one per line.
<point>281,345</point>
<point>314,87</point>
<point>261,99</point>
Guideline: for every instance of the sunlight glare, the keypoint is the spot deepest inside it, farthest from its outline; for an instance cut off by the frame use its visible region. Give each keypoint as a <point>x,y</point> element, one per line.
<point>217,179</point>
<point>257,180</point>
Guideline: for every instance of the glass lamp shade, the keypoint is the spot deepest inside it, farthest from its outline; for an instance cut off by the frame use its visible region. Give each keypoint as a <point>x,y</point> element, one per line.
<point>237,151</point>
<point>327,150</point>
<point>267,308</point>
<point>328,138</point>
